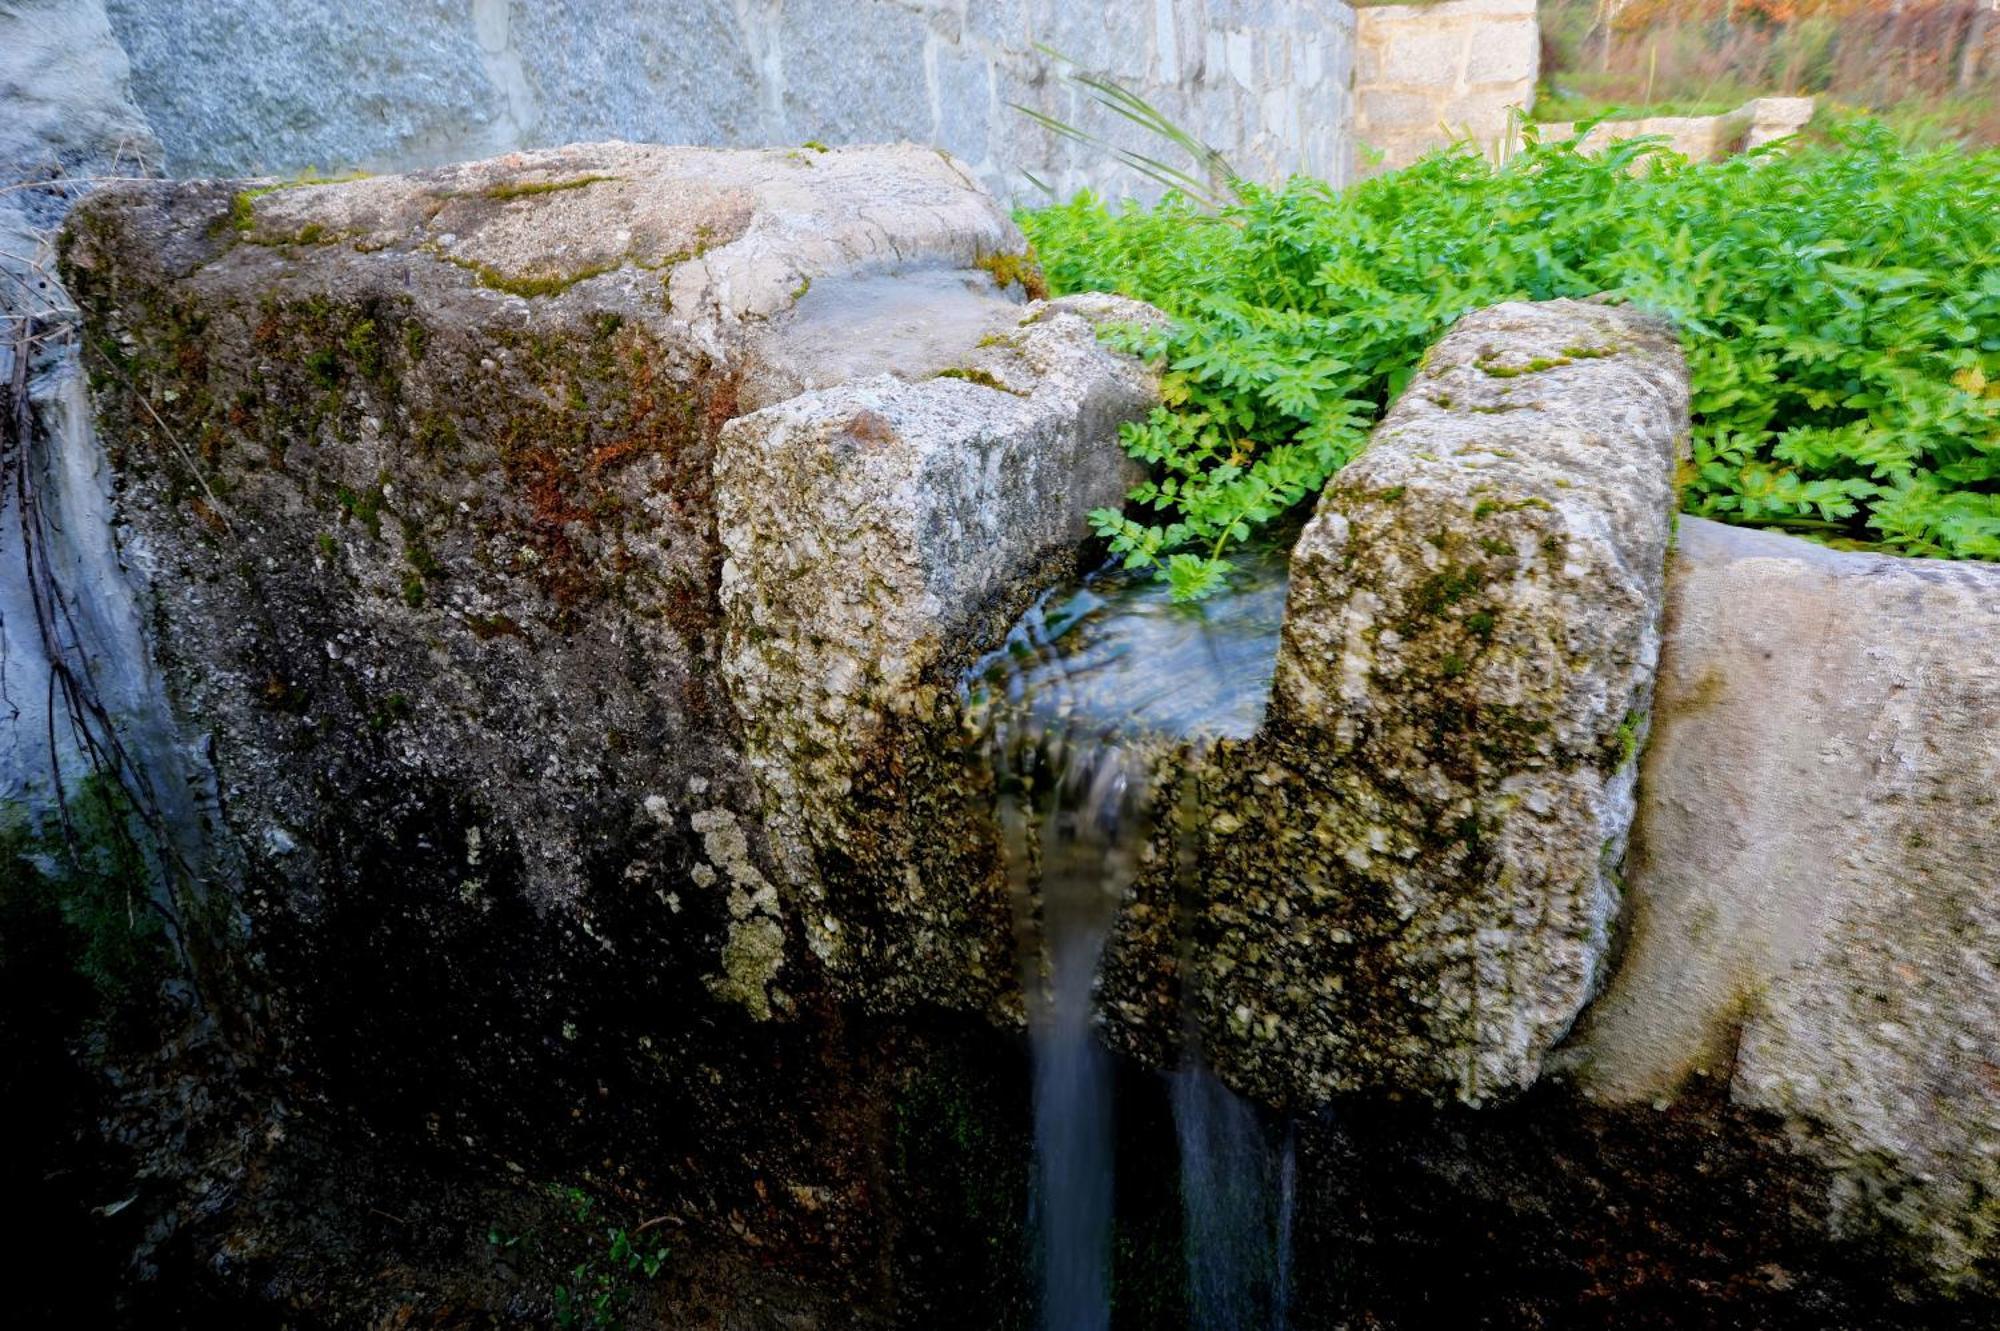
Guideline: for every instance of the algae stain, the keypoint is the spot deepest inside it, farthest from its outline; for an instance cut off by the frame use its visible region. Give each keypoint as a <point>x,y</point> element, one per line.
<point>525,189</point>
<point>984,378</point>
<point>1021,270</point>
<point>754,951</point>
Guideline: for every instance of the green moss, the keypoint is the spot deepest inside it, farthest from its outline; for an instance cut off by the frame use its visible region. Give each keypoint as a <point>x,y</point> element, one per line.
<point>365,508</point>
<point>1016,270</point>
<point>242,216</point>
<point>95,881</point>
<point>551,284</point>
<point>983,378</point>
<point>1504,737</point>
<point>394,708</point>
<point>1446,588</point>
<point>1480,625</point>
<point>416,340</point>
<point>1392,494</point>
<point>421,557</point>
<point>1625,741</point>
<point>364,346</point>
<point>815,145</point>
<point>324,367</point>
<point>312,233</point>
<point>1535,366</point>
<point>1486,508</point>
<point>327,546</point>
<point>524,189</point>
<point>435,436</point>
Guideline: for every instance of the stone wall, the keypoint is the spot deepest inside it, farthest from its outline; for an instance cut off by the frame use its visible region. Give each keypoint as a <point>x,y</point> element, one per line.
<point>1429,73</point>
<point>235,88</point>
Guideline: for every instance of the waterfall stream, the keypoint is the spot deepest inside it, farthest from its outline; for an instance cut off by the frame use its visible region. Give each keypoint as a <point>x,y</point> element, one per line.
<point>1236,1203</point>
<point>1094,685</point>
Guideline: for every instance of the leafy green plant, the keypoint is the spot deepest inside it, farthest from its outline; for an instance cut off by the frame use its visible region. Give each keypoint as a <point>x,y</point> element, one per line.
<point>1840,306</point>
<point>601,1285</point>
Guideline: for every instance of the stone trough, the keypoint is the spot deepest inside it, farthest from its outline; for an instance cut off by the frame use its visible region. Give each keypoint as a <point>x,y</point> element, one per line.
<point>565,562</point>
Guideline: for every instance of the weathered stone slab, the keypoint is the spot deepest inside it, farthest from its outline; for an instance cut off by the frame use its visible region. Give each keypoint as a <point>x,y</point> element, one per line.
<point>1774,118</point>
<point>1700,138</point>
<point>877,536</point>
<point>63,82</point>
<point>427,471</point>
<point>1815,875</point>
<point>1408,880</point>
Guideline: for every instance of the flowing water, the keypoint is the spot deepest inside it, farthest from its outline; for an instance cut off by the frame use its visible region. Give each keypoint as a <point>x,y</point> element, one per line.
<point>1093,684</point>
<point>1236,1203</point>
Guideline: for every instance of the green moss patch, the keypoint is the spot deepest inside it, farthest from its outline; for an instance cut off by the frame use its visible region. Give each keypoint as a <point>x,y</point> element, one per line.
<point>528,189</point>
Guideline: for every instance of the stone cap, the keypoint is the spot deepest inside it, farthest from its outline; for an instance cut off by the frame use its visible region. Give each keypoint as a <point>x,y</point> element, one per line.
<point>711,237</point>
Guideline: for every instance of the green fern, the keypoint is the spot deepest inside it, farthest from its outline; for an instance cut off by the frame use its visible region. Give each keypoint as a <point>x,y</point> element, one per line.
<point>1841,308</point>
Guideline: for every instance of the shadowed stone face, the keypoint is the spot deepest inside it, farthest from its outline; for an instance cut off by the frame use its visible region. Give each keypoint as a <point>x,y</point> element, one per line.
<point>429,482</point>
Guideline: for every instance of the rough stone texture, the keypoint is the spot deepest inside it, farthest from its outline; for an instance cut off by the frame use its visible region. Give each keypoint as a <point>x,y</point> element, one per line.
<point>65,87</point>
<point>236,87</point>
<point>428,476</point>
<point>1701,138</point>
<point>239,86</point>
<point>1815,876</point>
<point>686,72</point>
<point>1407,881</point>
<point>1428,74</point>
<point>65,83</point>
<point>1774,118</point>
<point>878,535</point>
<point>508,664</point>
<point>428,464</point>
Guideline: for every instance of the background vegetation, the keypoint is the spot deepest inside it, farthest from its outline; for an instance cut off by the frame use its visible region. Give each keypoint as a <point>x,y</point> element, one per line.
<point>1841,307</point>
<point>1931,68</point>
